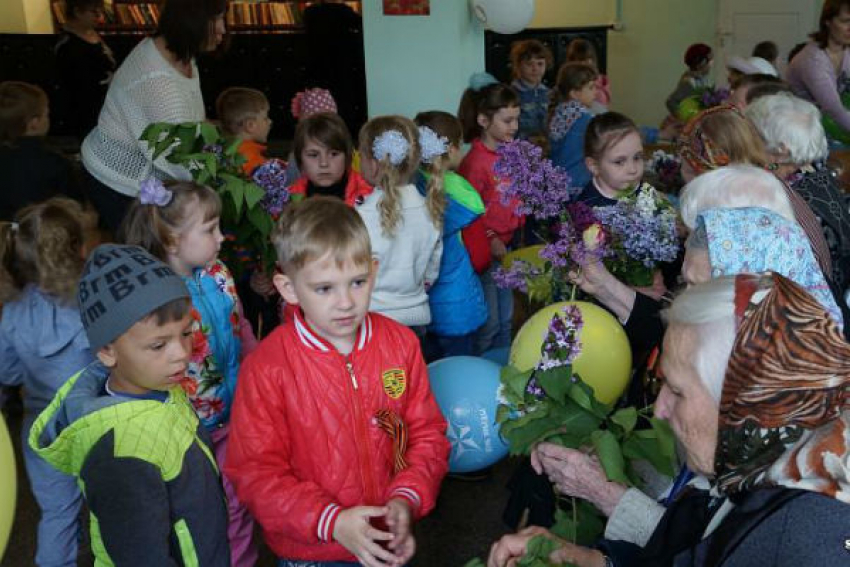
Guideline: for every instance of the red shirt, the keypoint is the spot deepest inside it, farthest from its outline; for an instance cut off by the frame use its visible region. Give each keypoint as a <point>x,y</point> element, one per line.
<point>500,220</point>
<point>254,153</point>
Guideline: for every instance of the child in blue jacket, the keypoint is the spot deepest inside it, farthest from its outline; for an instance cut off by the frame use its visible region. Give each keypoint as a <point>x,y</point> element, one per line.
<point>42,344</point>
<point>569,115</point>
<point>458,307</point>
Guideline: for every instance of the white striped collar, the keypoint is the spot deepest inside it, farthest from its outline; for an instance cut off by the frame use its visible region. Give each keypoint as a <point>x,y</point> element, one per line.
<point>313,340</point>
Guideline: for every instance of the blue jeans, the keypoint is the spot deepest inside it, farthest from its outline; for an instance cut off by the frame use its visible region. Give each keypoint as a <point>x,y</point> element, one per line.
<point>59,498</point>
<point>496,332</point>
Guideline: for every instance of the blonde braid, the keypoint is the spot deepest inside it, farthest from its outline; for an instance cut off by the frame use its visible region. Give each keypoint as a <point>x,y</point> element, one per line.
<point>390,204</point>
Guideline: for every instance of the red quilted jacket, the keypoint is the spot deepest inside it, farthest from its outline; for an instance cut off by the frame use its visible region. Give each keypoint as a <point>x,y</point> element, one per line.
<point>356,189</point>
<point>305,443</point>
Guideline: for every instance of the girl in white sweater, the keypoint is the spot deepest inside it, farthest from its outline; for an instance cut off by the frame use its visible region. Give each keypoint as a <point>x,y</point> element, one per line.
<point>404,226</point>
<point>157,82</point>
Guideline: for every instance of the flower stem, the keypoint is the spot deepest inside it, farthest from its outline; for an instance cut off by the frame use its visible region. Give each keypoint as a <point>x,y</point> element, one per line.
<point>575,520</point>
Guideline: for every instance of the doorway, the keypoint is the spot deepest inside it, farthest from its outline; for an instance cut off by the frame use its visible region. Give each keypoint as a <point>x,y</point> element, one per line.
<point>741,24</point>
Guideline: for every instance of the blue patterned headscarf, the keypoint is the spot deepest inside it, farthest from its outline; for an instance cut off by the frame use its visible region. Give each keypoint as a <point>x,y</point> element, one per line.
<point>755,240</point>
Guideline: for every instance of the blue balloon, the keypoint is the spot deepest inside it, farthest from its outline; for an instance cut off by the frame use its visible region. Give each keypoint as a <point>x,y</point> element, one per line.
<point>465,388</point>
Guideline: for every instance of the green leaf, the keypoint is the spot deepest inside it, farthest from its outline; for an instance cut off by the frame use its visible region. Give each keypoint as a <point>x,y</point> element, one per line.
<point>475,563</point>
<point>152,133</point>
<point>253,194</point>
<point>582,394</point>
<point>236,189</point>
<point>537,552</point>
<point>666,437</point>
<point>644,445</point>
<point>186,135</point>
<point>261,220</point>
<point>626,418</point>
<point>503,413</point>
<point>588,526</point>
<point>515,382</point>
<point>555,382</point>
<point>209,133</point>
<point>610,456</point>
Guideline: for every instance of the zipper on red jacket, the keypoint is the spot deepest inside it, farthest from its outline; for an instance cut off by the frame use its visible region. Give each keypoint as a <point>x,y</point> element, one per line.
<point>362,437</point>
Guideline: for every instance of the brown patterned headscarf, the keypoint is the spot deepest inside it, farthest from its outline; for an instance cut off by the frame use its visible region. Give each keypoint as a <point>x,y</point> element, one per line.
<point>784,409</point>
<point>719,136</point>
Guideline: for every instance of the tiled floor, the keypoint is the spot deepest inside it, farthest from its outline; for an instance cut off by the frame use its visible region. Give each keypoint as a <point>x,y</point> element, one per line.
<point>466,521</point>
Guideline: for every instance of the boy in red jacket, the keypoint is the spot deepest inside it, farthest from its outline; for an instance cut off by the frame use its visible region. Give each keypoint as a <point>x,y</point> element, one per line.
<point>336,442</point>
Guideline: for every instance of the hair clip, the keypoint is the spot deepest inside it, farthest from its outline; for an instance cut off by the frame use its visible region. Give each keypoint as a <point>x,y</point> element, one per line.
<point>391,144</point>
<point>480,80</point>
<point>153,192</point>
<point>433,146</point>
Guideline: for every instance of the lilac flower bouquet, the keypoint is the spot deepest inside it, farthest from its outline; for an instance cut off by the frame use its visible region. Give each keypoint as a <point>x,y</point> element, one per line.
<point>642,231</point>
<point>247,204</point>
<point>542,191</point>
<point>271,176</point>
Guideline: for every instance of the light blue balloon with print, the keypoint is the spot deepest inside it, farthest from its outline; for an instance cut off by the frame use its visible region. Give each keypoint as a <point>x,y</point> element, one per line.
<point>465,388</point>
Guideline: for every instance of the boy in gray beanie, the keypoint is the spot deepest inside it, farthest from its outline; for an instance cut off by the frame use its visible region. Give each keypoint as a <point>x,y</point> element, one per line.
<point>124,427</point>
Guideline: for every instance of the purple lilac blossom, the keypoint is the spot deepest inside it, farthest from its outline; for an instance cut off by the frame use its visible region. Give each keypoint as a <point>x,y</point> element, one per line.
<point>541,188</point>
<point>271,177</point>
<point>517,276</point>
<point>562,346</point>
<point>714,97</point>
<point>648,239</point>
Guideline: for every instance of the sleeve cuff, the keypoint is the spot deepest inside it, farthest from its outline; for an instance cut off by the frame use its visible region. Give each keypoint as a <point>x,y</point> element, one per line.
<point>410,495</point>
<point>327,522</point>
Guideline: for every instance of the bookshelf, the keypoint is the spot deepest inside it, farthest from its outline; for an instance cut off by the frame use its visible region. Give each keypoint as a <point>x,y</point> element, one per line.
<point>257,16</point>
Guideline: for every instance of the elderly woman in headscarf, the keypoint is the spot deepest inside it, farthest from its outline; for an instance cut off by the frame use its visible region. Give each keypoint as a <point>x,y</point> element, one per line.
<point>732,231</point>
<point>797,149</point>
<point>757,381</point>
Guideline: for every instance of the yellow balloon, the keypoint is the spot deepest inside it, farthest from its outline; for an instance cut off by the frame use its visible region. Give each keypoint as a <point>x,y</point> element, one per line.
<point>530,254</point>
<point>8,487</point>
<point>605,362</point>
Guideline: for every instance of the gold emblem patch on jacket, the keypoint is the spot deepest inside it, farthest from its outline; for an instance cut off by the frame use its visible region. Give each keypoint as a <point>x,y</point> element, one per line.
<point>395,382</point>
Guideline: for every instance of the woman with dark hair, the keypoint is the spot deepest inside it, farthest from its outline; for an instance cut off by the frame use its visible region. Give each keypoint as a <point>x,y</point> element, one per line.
<point>157,82</point>
<point>820,72</point>
<point>84,64</point>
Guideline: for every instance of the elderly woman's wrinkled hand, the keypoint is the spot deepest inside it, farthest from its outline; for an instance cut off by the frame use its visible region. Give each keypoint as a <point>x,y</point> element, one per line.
<point>577,474</point>
<point>511,548</point>
<point>657,290</point>
<point>591,278</point>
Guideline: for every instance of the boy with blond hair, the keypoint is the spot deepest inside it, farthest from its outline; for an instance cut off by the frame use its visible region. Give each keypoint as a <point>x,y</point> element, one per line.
<point>336,444</point>
<point>244,113</point>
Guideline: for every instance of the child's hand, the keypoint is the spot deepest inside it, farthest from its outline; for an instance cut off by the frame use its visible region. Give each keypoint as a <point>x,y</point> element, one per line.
<point>354,532</point>
<point>497,249</point>
<point>403,543</point>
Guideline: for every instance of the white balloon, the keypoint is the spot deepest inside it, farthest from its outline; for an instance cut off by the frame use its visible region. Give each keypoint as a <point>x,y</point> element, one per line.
<point>504,16</point>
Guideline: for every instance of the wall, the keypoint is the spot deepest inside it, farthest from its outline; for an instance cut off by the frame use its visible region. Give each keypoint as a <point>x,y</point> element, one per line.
<point>25,16</point>
<point>645,58</point>
<point>416,63</point>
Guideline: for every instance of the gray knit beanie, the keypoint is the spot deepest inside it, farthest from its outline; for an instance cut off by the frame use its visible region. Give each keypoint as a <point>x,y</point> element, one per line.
<point>120,286</point>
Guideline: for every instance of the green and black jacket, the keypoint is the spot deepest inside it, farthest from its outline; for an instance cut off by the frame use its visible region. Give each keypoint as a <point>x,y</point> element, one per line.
<point>146,469</point>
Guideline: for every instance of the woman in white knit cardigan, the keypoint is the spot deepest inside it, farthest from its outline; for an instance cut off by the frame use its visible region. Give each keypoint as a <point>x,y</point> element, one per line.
<point>157,82</point>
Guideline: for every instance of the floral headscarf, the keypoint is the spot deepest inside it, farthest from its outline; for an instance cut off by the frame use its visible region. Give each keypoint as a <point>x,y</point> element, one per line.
<point>695,147</point>
<point>785,406</point>
<point>754,240</point>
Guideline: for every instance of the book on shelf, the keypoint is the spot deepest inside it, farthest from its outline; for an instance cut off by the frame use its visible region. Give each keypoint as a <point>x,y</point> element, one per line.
<point>122,14</point>
<point>245,13</point>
